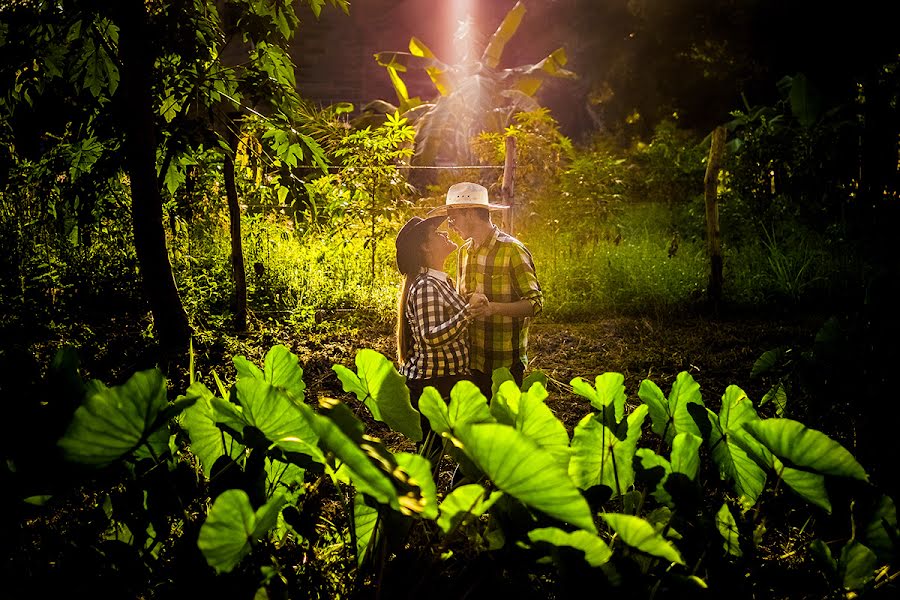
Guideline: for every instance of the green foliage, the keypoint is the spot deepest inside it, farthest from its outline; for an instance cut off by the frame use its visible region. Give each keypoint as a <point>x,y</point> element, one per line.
<point>526,498</point>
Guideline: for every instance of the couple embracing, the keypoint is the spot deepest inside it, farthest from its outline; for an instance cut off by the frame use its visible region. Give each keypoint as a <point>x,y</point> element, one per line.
<point>447,332</point>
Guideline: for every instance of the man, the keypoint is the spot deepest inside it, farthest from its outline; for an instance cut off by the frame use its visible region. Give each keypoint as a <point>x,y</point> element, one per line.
<point>497,277</point>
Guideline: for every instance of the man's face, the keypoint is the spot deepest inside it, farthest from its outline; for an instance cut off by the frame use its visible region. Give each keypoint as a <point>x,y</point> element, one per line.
<point>459,220</point>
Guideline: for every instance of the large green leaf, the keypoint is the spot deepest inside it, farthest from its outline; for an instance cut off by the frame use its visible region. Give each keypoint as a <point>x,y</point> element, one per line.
<point>232,526</point>
<point>604,456</point>
<point>467,406</point>
<point>208,442</point>
<point>282,370</point>
<point>419,470</point>
<point>670,416</point>
<point>734,464</point>
<point>525,471</point>
<point>608,391</point>
<point>640,534</point>
<point>879,528</point>
<point>365,520</point>
<point>806,448</point>
<point>650,461</point>
<point>383,390</point>
<point>365,462</point>
<point>857,565</point>
<point>285,479</point>
<point>596,552</point>
<point>285,423</point>
<point>728,529</point>
<point>113,422</point>
<point>809,486</point>
<point>733,449</point>
<point>463,503</point>
<point>535,419</point>
<point>685,454</point>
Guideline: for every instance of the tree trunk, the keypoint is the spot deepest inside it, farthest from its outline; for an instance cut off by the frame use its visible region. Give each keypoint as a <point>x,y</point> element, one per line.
<point>234,216</point>
<point>169,318</point>
<point>710,184</point>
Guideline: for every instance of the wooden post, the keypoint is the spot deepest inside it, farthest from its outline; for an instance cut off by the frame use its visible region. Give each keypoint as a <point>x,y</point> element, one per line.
<point>710,185</point>
<point>509,175</point>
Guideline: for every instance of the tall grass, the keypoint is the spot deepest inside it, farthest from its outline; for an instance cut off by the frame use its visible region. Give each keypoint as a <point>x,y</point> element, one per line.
<point>587,272</point>
<point>303,279</point>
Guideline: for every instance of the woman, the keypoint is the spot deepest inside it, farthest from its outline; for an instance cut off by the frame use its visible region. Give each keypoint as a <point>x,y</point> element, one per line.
<point>431,317</point>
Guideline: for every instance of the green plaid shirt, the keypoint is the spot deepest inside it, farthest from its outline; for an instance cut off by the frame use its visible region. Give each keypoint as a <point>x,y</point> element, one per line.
<point>502,269</point>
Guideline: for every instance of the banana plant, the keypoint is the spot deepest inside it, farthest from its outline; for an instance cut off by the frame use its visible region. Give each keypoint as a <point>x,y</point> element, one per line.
<point>473,96</point>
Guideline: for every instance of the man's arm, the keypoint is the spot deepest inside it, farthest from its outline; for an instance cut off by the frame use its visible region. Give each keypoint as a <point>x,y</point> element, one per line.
<point>518,309</point>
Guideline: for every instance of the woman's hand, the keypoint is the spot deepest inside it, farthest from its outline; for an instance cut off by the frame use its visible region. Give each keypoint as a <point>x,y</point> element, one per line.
<point>479,306</point>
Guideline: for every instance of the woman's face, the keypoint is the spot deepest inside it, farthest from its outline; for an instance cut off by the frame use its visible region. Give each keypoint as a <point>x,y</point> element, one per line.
<point>438,246</point>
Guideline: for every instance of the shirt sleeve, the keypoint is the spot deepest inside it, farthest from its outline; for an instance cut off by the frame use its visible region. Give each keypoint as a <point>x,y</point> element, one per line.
<point>525,281</point>
<point>441,313</point>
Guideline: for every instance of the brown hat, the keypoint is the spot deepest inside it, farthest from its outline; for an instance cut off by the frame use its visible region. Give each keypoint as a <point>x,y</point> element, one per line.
<point>409,242</point>
<point>466,195</point>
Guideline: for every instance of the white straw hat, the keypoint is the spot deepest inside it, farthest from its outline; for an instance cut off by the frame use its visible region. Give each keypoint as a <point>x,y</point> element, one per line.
<point>466,195</point>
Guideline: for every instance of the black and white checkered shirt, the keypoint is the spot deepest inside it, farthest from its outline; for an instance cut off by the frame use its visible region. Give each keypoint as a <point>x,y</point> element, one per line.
<point>437,318</point>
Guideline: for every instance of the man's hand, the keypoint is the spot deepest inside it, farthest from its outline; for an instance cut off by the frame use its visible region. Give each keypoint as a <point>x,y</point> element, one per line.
<point>478,305</point>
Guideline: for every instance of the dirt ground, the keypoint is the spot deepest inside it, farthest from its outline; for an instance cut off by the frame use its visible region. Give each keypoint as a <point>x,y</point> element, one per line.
<point>717,352</point>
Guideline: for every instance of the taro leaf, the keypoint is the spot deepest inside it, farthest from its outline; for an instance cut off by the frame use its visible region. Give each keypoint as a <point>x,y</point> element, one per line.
<point>467,406</point>
<point>112,422</point>
<point>727,527</point>
<point>806,448</point>
<point>228,415</point>
<point>778,395</point>
<point>596,552</point>
<point>464,502</point>
<point>730,443</point>
<point>435,410</point>
<point>354,464</point>
<point>608,390</point>
<point>285,479</point>
<point>640,534</point>
<point>809,486</point>
<point>285,423</point>
<point>498,378</point>
<point>880,530</point>
<point>378,384</point>
<point>365,520</point>
<point>208,442</point>
<point>232,527</point>
<point>282,370</point>
<point>670,416</point>
<point>419,470</point>
<point>537,422</point>
<point>505,402</point>
<point>604,456</point>
<point>656,470</point>
<point>685,454</point>
<point>857,565</point>
<point>247,369</point>
<point>766,362</point>
<point>532,378</point>
<point>822,553</point>
<point>525,471</point>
